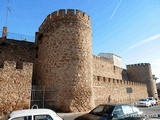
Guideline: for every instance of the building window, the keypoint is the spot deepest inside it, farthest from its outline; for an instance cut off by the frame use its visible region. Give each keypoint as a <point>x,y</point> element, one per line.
<point>117,81</point>
<point>113,80</point>
<point>109,80</point>
<point>104,79</point>
<point>98,78</point>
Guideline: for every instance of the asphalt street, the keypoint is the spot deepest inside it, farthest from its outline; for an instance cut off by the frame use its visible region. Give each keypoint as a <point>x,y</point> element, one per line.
<point>152,113</point>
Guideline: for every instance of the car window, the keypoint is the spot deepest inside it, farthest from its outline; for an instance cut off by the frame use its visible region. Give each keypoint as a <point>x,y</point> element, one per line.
<point>127,109</point>
<point>118,111</point>
<point>43,117</point>
<point>108,109</point>
<point>135,109</point>
<point>105,109</point>
<point>143,100</point>
<point>23,118</point>
<point>98,109</point>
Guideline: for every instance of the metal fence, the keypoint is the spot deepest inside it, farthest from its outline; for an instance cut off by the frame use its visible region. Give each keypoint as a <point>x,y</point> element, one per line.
<point>17,36</point>
<point>43,97</point>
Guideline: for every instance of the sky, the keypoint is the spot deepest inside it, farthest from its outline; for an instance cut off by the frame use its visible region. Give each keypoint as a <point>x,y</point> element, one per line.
<point>127,28</point>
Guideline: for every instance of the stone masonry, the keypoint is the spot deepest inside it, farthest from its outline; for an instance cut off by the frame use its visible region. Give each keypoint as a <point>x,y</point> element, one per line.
<point>65,59</point>
<point>143,73</point>
<point>61,59</point>
<point>15,86</point>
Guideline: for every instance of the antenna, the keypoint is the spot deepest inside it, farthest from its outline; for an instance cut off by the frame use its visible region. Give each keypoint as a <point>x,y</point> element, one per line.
<point>7,10</point>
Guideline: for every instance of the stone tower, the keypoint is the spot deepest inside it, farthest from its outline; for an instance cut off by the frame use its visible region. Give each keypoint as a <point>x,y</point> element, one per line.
<point>143,73</point>
<point>64,56</point>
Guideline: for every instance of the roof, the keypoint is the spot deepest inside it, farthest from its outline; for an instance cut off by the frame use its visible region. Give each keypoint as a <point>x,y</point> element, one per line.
<point>19,113</point>
<point>114,104</point>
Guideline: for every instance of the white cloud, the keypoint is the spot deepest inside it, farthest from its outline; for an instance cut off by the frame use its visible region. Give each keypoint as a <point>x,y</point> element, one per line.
<point>152,38</point>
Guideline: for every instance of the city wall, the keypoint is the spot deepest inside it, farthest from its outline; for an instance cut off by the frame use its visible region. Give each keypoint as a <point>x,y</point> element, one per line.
<point>15,86</point>
<point>64,61</point>
<point>109,90</point>
<point>14,50</point>
<point>62,57</point>
<point>102,67</point>
<point>110,83</point>
<point>143,73</point>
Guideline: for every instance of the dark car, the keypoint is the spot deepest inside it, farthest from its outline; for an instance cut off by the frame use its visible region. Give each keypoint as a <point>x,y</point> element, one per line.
<point>113,112</point>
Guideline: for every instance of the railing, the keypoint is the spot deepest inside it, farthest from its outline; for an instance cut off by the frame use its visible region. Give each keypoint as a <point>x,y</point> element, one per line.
<point>17,36</point>
<point>43,96</point>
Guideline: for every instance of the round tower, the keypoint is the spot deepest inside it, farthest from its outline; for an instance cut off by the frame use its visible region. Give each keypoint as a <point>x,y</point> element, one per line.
<point>143,73</point>
<point>64,59</point>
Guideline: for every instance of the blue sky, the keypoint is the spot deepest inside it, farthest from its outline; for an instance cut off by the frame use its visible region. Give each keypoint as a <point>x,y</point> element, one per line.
<point>128,28</point>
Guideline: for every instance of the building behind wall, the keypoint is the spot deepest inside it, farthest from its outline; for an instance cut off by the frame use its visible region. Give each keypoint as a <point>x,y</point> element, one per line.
<point>62,60</point>
<point>114,59</point>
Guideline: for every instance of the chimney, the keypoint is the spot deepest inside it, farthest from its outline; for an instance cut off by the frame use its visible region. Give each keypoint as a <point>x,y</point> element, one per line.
<point>4,32</point>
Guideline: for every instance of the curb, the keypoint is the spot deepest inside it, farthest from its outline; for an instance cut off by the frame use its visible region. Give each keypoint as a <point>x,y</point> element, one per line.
<point>70,114</point>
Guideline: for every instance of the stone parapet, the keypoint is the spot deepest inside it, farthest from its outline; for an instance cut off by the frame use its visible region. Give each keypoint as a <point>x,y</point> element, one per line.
<point>15,86</point>
<point>139,64</point>
<point>69,15</point>
<point>111,90</point>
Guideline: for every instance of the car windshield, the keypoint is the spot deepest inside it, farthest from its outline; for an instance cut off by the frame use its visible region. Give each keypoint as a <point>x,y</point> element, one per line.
<point>150,98</point>
<point>103,109</point>
<point>143,100</point>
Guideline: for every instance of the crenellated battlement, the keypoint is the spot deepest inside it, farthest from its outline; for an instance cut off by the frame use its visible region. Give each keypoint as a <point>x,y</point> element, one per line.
<point>139,64</point>
<point>19,65</point>
<point>69,15</point>
<point>99,80</point>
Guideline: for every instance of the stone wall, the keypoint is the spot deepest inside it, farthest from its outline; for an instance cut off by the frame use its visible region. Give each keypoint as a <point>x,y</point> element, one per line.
<point>64,42</point>
<point>102,67</point>
<point>107,90</point>
<point>110,83</point>
<point>14,50</point>
<point>15,86</point>
<point>143,73</point>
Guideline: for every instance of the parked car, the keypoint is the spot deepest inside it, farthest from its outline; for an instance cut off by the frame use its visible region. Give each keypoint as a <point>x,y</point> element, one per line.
<point>34,114</point>
<point>113,112</point>
<point>157,101</point>
<point>144,103</point>
<point>153,101</point>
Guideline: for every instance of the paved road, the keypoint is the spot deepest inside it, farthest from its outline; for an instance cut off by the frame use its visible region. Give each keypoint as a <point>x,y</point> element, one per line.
<point>152,113</point>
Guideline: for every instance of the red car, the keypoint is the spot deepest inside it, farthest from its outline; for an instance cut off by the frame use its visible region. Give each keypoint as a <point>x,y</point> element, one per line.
<point>157,101</point>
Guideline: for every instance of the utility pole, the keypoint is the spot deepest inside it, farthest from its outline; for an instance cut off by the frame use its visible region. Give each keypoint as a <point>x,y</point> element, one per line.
<point>7,10</point>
